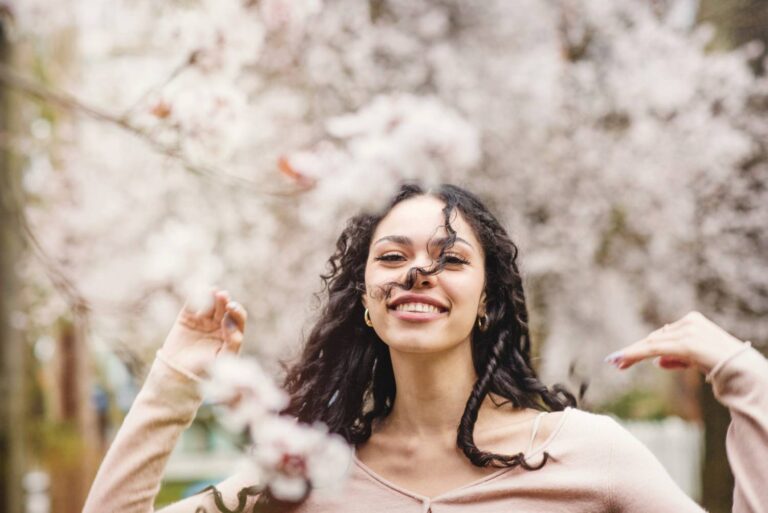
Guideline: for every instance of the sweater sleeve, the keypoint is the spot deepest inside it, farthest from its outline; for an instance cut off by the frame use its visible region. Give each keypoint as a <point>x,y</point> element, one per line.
<point>638,483</point>
<point>740,383</point>
<point>129,478</point>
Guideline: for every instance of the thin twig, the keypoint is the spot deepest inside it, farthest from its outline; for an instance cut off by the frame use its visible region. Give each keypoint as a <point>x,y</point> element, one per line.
<point>186,63</point>
<point>58,277</point>
<point>67,101</point>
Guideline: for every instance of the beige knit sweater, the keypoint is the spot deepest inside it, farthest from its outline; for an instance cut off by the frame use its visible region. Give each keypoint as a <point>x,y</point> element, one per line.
<point>594,466</point>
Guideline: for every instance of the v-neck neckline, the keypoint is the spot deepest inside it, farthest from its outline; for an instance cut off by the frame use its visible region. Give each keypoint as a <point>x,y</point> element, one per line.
<point>425,499</point>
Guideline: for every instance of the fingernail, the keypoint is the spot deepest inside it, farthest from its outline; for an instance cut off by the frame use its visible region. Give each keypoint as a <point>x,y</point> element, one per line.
<point>232,305</point>
<point>613,357</point>
<point>230,323</point>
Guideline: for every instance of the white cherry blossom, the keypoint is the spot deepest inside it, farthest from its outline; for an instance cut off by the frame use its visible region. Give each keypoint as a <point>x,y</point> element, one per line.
<point>296,458</point>
<point>243,393</point>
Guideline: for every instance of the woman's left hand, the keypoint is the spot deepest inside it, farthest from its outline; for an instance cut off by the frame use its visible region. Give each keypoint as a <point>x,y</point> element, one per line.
<point>692,340</point>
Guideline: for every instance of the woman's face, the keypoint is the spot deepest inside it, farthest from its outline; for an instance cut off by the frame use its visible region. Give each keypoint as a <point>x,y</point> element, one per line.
<point>440,310</point>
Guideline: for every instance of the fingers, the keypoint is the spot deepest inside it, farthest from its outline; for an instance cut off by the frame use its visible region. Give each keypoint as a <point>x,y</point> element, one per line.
<point>200,302</point>
<point>692,341</point>
<point>682,321</point>
<point>233,337</point>
<point>670,362</point>
<point>220,300</point>
<point>664,342</point>
<point>233,326</point>
<point>647,348</point>
<point>237,314</point>
<point>222,315</point>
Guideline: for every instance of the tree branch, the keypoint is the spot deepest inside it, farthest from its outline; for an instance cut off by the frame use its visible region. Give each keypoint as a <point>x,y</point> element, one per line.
<point>69,102</point>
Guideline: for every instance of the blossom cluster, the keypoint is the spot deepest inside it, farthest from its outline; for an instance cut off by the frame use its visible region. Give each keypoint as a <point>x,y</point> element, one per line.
<point>290,458</point>
<point>392,139</point>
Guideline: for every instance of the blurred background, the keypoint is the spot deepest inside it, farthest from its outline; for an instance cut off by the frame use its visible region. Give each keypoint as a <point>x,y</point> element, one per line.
<point>149,150</point>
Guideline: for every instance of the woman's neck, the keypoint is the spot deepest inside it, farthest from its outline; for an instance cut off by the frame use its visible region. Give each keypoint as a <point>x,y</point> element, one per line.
<point>432,392</point>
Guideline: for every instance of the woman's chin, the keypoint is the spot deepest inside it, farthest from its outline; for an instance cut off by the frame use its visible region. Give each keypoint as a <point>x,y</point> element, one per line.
<point>419,344</point>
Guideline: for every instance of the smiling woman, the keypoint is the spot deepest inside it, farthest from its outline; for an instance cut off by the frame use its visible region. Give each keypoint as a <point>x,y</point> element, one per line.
<point>426,250</point>
<point>421,360</point>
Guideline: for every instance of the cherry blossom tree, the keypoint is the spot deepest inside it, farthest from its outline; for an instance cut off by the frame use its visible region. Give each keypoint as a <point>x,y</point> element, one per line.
<point>224,142</point>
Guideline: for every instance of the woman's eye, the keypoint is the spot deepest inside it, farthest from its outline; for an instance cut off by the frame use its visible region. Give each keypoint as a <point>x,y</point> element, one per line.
<point>455,259</point>
<point>396,257</point>
<point>391,257</point>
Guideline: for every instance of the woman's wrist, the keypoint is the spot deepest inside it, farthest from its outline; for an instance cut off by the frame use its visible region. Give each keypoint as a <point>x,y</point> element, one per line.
<point>177,368</point>
<point>723,362</point>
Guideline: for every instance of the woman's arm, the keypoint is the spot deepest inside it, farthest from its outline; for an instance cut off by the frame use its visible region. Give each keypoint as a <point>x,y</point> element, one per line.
<point>739,376</point>
<point>129,477</point>
<point>741,384</point>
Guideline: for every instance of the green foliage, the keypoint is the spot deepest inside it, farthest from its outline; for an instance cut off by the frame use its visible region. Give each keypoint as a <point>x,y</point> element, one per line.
<point>171,491</point>
<point>56,442</point>
<point>174,491</point>
<point>638,404</point>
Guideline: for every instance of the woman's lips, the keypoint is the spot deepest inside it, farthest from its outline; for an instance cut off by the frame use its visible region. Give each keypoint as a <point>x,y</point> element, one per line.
<point>405,315</point>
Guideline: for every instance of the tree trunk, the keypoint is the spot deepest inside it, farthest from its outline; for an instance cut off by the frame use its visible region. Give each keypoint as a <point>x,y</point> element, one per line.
<point>717,479</point>
<point>736,22</point>
<point>11,347</point>
<point>73,461</point>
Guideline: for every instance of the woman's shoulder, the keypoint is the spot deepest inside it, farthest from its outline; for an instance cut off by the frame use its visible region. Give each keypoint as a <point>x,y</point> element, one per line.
<point>533,431</point>
<point>592,424</point>
<point>580,418</point>
<point>572,434</point>
<point>581,430</point>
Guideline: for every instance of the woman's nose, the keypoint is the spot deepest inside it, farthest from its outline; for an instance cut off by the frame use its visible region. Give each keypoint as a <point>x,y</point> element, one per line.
<point>423,261</point>
<point>423,278</point>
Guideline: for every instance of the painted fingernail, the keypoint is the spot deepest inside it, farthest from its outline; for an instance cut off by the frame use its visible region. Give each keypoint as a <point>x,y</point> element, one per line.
<point>232,305</point>
<point>613,357</point>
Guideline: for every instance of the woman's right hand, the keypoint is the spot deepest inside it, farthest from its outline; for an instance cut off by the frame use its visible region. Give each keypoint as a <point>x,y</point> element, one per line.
<point>692,340</point>
<point>198,337</point>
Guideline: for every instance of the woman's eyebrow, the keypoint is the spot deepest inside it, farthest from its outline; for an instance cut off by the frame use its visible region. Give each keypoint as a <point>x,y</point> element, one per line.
<point>406,241</point>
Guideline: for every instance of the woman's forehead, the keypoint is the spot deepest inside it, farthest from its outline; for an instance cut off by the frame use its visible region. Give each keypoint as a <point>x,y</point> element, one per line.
<point>420,219</point>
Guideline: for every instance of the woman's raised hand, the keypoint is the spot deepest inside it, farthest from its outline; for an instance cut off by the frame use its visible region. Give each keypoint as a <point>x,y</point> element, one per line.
<point>692,340</point>
<point>198,337</point>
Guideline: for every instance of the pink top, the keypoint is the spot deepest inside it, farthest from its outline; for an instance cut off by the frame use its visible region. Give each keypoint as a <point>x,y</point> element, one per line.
<point>595,465</point>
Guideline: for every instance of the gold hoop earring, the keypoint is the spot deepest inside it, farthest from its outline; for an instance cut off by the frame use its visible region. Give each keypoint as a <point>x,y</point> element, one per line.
<point>482,323</point>
<point>367,319</point>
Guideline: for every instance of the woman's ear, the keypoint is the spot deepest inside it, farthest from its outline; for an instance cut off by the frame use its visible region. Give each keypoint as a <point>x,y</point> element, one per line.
<point>481,308</point>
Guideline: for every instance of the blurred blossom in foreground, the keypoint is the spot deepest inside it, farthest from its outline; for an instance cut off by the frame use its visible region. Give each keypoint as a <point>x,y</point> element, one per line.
<point>292,459</point>
<point>297,458</point>
<point>243,392</point>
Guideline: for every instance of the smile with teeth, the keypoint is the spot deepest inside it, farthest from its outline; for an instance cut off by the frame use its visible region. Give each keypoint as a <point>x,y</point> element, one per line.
<point>417,307</point>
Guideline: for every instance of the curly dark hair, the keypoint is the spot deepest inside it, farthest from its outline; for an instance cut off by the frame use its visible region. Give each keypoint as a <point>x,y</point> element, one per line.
<point>344,375</point>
